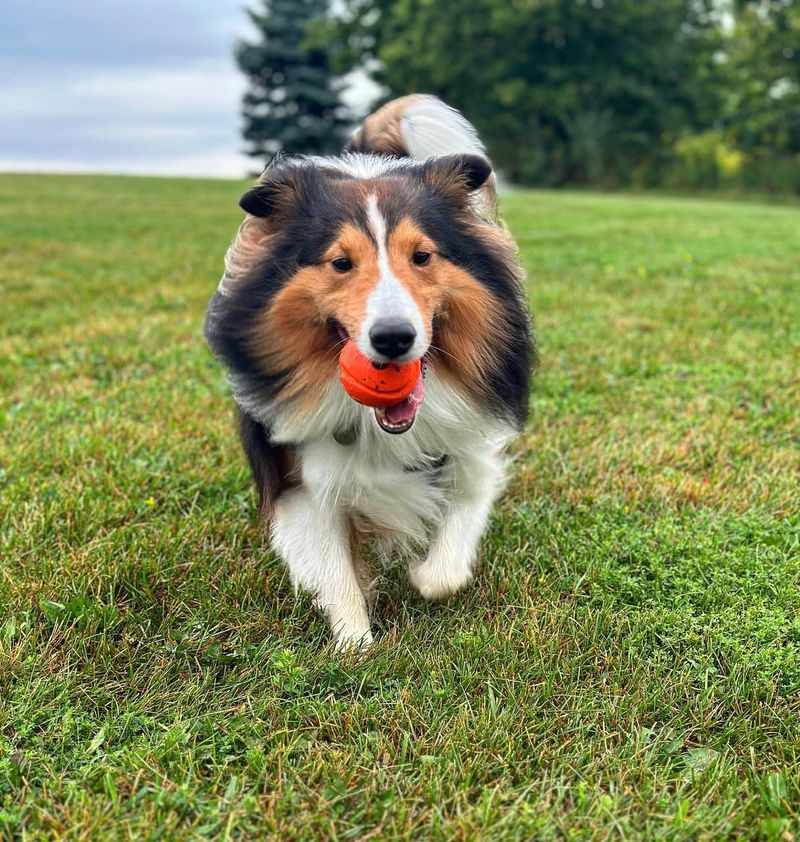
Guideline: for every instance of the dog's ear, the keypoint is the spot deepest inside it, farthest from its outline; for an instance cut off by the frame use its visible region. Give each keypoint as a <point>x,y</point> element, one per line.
<point>457,173</point>
<point>257,201</point>
<point>274,184</point>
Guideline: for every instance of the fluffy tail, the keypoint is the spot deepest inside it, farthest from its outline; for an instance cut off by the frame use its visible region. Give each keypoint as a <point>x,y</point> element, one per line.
<point>420,126</point>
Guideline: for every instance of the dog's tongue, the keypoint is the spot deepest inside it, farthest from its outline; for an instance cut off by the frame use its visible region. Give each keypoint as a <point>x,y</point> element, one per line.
<point>406,410</point>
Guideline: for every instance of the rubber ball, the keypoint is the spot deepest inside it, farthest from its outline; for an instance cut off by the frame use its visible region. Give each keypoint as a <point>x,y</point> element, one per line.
<point>374,384</point>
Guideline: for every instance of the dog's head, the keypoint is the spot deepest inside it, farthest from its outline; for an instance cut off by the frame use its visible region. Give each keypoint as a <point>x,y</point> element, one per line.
<point>388,252</point>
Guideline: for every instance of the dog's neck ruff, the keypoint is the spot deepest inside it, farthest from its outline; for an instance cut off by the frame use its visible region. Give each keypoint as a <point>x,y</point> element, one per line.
<point>399,485</point>
<point>447,422</point>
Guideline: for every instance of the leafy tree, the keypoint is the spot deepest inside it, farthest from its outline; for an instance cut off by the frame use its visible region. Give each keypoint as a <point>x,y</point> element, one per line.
<point>764,59</point>
<point>292,103</point>
<point>561,90</point>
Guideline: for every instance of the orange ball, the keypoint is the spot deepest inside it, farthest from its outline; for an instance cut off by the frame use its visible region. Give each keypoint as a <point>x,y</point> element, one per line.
<point>375,386</point>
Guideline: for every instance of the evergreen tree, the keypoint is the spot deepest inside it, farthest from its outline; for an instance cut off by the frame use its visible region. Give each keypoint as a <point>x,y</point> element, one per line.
<point>292,103</point>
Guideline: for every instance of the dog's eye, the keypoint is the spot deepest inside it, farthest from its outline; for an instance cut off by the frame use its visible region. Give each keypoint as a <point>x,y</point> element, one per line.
<point>420,258</point>
<point>342,264</point>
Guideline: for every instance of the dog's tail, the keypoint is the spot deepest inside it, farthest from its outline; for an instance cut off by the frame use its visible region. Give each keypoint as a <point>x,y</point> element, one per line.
<point>420,126</point>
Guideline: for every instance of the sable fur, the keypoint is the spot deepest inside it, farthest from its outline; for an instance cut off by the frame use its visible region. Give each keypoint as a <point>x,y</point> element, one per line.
<point>276,323</point>
<point>308,205</point>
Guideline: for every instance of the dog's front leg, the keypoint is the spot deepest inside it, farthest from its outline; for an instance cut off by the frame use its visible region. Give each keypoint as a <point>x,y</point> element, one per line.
<point>314,543</point>
<point>449,563</point>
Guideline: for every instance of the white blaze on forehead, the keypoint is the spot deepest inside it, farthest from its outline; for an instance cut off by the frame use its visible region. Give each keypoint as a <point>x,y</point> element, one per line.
<point>389,299</point>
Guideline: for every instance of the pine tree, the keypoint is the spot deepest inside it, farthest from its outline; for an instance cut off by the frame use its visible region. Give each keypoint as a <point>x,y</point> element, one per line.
<point>292,103</point>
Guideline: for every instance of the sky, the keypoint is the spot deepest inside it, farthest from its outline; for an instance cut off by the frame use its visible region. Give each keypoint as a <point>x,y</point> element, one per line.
<point>124,86</point>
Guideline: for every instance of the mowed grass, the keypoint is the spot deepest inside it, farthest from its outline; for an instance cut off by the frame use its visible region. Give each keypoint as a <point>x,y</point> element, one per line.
<point>627,663</point>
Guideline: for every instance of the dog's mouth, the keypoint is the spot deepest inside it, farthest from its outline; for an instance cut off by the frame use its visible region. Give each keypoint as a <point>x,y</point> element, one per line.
<point>398,418</point>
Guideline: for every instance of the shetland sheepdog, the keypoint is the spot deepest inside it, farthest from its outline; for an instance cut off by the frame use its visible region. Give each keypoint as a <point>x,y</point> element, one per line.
<point>395,244</point>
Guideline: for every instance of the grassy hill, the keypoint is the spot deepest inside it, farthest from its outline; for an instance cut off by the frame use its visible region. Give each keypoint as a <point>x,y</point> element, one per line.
<point>627,662</point>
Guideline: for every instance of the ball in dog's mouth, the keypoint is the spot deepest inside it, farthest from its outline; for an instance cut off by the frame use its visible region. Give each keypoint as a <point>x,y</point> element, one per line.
<point>399,418</point>
<point>375,384</point>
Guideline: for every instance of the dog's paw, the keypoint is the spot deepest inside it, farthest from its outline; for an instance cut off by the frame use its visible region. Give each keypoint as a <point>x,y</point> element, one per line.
<point>353,640</point>
<point>351,627</point>
<point>435,580</point>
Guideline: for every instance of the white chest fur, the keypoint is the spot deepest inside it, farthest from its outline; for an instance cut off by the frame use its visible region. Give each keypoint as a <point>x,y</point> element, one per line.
<point>393,481</point>
<point>382,480</point>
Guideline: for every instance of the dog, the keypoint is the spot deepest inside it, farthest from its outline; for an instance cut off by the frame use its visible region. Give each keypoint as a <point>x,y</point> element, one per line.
<point>396,246</point>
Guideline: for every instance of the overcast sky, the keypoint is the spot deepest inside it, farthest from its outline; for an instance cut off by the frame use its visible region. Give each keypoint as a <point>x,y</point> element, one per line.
<point>127,86</point>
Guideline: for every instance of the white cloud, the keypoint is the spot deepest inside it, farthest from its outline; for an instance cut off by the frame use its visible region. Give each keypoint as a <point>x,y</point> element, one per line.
<point>143,87</point>
<point>168,92</point>
<point>179,121</point>
<point>211,164</point>
<point>87,89</point>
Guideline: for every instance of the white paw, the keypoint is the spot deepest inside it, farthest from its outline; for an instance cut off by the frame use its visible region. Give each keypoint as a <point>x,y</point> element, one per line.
<point>436,580</point>
<point>353,640</point>
<point>350,625</point>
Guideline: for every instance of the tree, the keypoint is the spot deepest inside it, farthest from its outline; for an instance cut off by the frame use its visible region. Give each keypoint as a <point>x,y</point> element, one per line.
<point>586,91</point>
<point>292,102</point>
<point>764,64</point>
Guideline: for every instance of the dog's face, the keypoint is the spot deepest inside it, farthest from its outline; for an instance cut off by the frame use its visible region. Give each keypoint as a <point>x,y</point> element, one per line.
<point>399,263</point>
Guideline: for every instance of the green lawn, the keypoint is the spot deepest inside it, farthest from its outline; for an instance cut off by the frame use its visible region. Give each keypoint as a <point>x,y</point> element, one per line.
<point>627,663</point>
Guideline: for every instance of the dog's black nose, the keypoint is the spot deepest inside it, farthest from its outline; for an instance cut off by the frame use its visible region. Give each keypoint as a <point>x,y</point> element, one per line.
<point>392,337</point>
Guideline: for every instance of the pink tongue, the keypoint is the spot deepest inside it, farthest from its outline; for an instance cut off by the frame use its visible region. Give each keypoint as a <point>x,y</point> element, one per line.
<point>406,410</point>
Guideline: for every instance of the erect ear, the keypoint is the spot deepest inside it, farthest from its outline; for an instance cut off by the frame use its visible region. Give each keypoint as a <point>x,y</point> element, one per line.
<point>457,172</point>
<point>272,187</point>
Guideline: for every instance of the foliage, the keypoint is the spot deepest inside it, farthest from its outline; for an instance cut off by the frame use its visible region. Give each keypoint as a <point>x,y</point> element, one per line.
<point>772,174</point>
<point>602,92</point>
<point>292,103</point>
<point>764,79</point>
<point>705,161</point>
<point>626,664</point>
<point>761,117</point>
<point>562,90</point>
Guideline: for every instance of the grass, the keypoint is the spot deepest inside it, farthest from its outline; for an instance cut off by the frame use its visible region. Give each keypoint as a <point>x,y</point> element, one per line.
<point>627,664</point>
